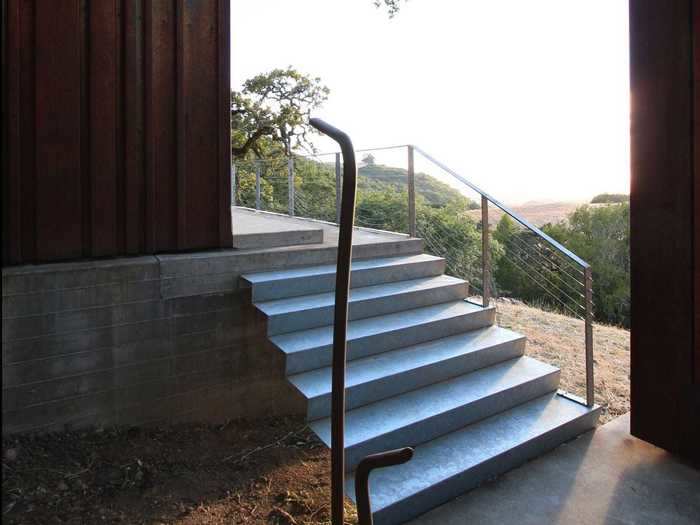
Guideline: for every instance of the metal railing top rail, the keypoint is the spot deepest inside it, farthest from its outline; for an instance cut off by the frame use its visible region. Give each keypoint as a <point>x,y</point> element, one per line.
<point>363,150</point>
<point>524,222</point>
<point>571,255</point>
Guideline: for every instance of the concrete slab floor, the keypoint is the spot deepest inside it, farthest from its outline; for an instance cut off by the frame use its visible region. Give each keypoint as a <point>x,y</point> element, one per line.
<point>605,477</point>
<point>247,221</point>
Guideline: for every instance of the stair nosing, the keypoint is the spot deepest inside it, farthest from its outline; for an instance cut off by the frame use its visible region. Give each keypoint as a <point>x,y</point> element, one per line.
<point>542,375</point>
<point>440,282</point>
<point>510,337</point>
<point>541,434</point>
<point>330,269</point>
<point>275,339</point>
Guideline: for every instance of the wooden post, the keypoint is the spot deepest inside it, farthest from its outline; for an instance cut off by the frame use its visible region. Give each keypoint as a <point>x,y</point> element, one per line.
<point>411,194</point>
<point>485,253</point>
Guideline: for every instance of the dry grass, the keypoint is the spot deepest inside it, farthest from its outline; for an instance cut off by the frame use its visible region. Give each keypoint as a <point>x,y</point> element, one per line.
<point>559,340</point>
<point>534,212</point>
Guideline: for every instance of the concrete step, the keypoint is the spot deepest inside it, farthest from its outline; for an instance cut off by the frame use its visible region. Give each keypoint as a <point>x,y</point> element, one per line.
<point>309,280</point>
<point>394,372</point>
<point>445,467</point>
<point>421,415</point>
<point>312,349</point>
<point>310,311</point>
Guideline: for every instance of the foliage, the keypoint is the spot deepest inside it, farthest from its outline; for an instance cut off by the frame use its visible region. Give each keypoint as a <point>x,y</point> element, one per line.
<point>606,198</point>
<point>598,235</point>
<point>392,6</point>
<point>434,192</point>
<point>270,115</point>
<point>601,236</point>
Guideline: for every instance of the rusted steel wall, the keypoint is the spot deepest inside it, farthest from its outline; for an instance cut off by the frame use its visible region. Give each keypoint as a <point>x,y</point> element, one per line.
<point>115,128</point>
<point>665,395</point>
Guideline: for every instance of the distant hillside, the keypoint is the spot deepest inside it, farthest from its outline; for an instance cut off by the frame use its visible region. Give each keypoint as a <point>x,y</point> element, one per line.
<point>609,198</point>
<point>435,193</point>
<point>536,213</point>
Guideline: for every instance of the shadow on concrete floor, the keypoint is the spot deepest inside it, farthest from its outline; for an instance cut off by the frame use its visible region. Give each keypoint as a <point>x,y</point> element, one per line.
<point>604,477</point>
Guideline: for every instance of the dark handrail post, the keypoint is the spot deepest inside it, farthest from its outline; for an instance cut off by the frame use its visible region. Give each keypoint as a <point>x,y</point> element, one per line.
<point>342,290</point>
<point>588,298</point>
<point>258,173</point>
<point>337,188</point>
<point>233,184</point>
<point>411,194</point>
<point>485,253</point>
<point>290,186</point>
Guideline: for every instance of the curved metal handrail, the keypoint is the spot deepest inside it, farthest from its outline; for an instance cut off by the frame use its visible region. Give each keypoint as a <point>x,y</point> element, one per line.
<point>367,465</point>
<point>340,326</point>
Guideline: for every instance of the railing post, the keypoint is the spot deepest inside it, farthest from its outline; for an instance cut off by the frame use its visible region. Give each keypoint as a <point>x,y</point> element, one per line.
<point>338,191</point>
<point>485,253</point>
<point>588,284</point>
<point>411,194</point>
<point>233,184</point>
<point>290,183</point>
<point>258,170</point>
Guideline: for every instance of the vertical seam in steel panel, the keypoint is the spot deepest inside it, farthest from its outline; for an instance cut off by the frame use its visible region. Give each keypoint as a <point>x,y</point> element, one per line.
<point>87,185</point>
<point>120,86</point>
<point>223,73</point>
<point>180,124</point>
<point>148,142</point>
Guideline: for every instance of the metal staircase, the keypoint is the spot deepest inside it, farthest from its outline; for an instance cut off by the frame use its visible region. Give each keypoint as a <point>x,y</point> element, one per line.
<point>426,368</point>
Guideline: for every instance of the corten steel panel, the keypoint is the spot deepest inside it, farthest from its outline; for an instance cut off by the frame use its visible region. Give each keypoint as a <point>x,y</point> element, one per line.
<point>58,98</point>
<point>115,128</point>
<point>665,400</point>
<point>161,165</point>
<point>105,123</point>
<point>696,149</point>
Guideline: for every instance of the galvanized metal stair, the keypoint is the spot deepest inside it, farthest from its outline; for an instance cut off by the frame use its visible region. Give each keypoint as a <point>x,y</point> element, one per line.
<point>426,368</point>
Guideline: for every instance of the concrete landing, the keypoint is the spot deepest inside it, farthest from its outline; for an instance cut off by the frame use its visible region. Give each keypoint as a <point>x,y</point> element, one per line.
<point>604,477</point>
<point>261,230</point>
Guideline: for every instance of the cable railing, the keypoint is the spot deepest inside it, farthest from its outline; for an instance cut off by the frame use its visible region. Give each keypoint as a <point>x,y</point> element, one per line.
<point>406,190</point>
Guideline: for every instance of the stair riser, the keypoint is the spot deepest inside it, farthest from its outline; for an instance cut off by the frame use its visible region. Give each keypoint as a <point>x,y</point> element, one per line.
<point>446,422</point>
<point>451,488</point>
<point>277,239</point>
<point>315,284</point>
<point>323,316</point>
<point>389,386</point>
<point>321,356</point>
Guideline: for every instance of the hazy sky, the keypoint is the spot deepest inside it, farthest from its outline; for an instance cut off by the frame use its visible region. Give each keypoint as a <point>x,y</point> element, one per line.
<point>527,99</point>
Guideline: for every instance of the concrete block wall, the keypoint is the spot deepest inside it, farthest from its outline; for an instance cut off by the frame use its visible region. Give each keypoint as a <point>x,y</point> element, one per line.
<point>153,339</point>
<point>134,341</point>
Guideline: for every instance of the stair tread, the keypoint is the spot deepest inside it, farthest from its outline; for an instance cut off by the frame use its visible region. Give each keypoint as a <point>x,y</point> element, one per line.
<point>302,340</point>
<point>317,382</point>
<point>388,415</point>
<point>310,271</point>
<point>327,299</point>
<point>454,453</point>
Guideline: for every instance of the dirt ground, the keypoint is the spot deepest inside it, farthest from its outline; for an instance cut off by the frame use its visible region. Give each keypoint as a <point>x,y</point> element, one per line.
<point>267,471</point>
<point>559,340</point>
<point>270,471</point>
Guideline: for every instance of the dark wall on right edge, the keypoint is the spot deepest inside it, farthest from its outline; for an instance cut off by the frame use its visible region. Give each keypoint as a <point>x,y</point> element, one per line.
<point>665,384</point>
